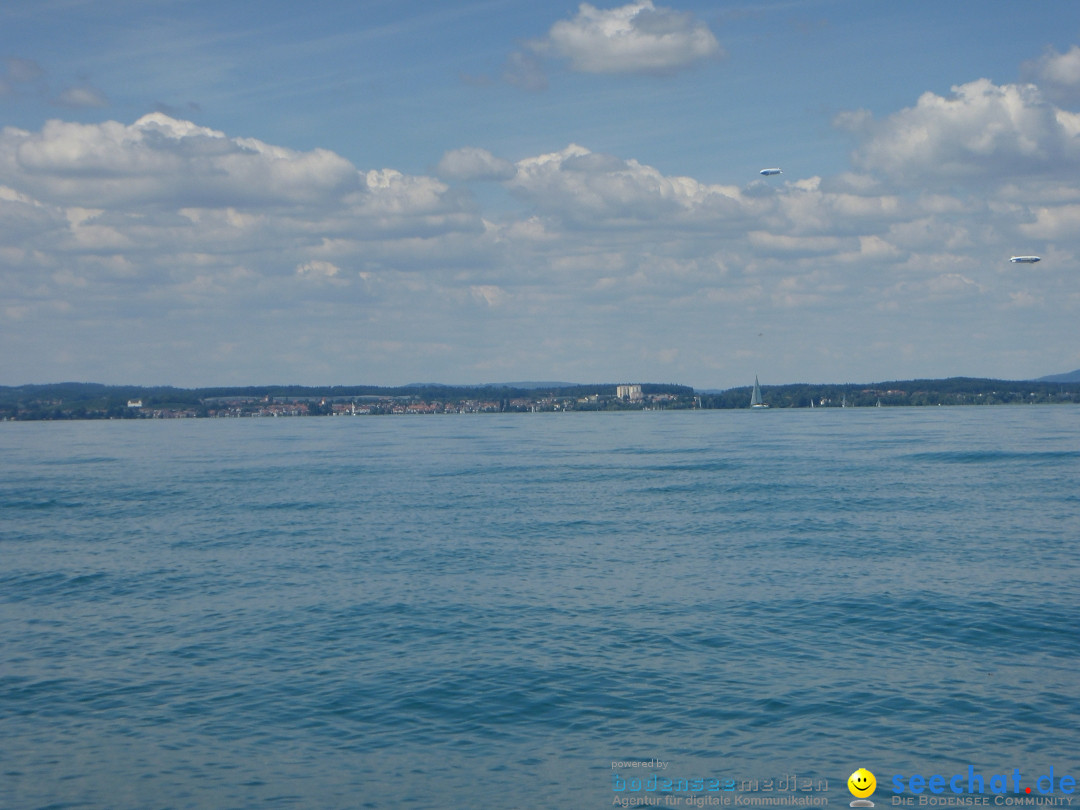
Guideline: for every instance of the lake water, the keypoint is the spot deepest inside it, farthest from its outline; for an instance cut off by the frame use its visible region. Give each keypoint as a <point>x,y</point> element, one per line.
<point>488,611</point>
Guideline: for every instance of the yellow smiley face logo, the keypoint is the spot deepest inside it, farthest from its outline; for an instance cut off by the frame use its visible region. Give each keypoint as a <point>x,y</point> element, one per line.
<point>861,783</point>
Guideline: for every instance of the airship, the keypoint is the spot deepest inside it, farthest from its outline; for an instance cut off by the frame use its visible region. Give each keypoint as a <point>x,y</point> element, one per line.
<point>767,172</point>
<point>1025,259</point>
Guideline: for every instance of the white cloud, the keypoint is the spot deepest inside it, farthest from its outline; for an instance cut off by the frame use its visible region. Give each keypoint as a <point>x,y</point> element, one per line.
<point>1058,73</point>
<point>1023,299</point>
<point>785,243</point>
<point>806,208</point>
<point>25,222</point>
<point>159,159</point>
<point>190,218</point>
<point>472,163</point>
<point>635,38</point>
<point>490,294</point>
<point>929,233</point>
<point>953,284</point>
<point>1053,222</point>
<point>874,247</point>
<point>578,185</point>
<point>1061,68</point>
<point>981,134</point>
<point>317,269</point>
<point>206,235</point>
<point>914,292</point>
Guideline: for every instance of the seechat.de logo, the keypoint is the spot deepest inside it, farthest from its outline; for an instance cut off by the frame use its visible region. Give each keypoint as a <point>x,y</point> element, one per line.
<point>974,783</point>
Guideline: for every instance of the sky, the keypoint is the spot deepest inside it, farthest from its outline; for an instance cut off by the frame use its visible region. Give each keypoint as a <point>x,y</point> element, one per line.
<point>385,192</point>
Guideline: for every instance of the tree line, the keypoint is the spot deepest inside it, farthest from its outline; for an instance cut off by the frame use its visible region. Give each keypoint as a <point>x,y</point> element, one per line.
<point>98,401</point>
<point>949,391</point>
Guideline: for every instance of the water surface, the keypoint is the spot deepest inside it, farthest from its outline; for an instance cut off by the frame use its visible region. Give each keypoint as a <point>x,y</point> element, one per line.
<point>486,611</point>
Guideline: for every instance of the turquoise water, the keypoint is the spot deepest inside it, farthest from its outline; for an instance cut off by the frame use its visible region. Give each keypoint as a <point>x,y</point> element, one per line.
<point>488,611</point>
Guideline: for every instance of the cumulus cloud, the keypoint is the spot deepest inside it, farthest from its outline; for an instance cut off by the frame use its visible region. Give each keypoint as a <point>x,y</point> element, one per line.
<point>26,224</point>
<point>940,288</point>
<point>982,133</point>
<point>176,205</point>
<point>928,233</point>
<point>769,243</point>
<point>159,159</point>
<point>809,206</point>
<point>953,283</point>
<point>1058,74</point>
<point>1053,222</point>
<point>317,269</point>
<point>580,185</point>
<point>472,163</point>
<point>635,38</point>
<point>489,294</point>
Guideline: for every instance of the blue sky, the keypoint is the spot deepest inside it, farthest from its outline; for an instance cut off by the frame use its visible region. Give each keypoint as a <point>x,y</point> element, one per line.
<point>198,193</point>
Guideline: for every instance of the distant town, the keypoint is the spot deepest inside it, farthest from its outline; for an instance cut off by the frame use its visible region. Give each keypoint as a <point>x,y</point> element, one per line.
<point>95,401</point>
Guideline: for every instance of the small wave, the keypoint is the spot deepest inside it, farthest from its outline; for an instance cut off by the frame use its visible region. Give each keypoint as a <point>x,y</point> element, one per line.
<point>996,456</point>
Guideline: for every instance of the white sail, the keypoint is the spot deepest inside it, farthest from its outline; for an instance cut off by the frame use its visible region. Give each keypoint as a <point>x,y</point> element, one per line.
<point>755,398</point>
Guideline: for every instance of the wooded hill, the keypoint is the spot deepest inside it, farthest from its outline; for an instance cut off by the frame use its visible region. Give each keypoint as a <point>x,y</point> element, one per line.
<point>950,391</point>
<point>96,401</point>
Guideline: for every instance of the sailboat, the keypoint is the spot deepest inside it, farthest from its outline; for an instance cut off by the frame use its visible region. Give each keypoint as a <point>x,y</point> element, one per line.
<point>755,398</point>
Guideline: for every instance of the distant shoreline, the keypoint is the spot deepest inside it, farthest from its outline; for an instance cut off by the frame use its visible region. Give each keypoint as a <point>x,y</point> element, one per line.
<point>63,401</point>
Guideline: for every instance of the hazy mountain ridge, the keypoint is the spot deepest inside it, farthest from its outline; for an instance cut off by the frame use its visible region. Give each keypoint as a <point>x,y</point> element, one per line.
<point>1072,376</point>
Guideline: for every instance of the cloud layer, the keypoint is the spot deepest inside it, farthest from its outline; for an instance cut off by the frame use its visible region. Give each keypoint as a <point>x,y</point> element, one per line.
<point>187,255</point>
